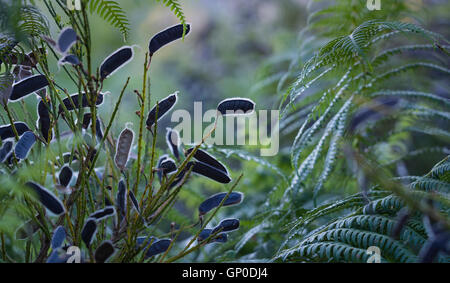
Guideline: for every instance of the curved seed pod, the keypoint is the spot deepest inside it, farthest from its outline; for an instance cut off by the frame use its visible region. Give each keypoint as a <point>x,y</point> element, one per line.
<point>69,59</point>
<point>66,39</point>
<point>65,176</point>
<point>6,131</point>
<point>219,238</point>
<point>89,230</point>
<point>104,251</point>
<point>24,145</point>
<point>163,107</point>
<point>210,172</point>
<point>59,236</point>
<point>5,150</point>
<point>227,225</point>
<point>158,166</point>
<point>158,247</point>
<point>115,61</point>
<point>48,199</point>
<point>179,179</point>
<point>123,148</point>
<point>74,102</point>
<point>98,129</point>
<point>214,201</point>
<point>58,256</point>
<point>122,197</point>
<point>166,36</point>
<point>134,201</point>
<point>44,121</point>
<point>168,166</point>
<point>103,213</point>
<point>173,141</point>
<point>236,106</point>
<point>27,86</point>
<point>144,239</point>
<point>207,158</point>
<point>26,230</point>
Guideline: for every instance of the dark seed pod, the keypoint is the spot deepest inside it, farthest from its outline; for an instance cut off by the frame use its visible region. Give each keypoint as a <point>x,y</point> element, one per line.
<point>173,141</point>
<point>122,197</point>
<point>88,231</point>
<point>168,166</point>
<point>215,200</point>
<point>147,240</point>
<point>86,120</point>
<point>163,107</point>
<point>158,166</point>
<point>65,176</point>
<point>115,61</point>
<point>66,39</point>
<point>69,59</point>
<point>48,199</point>
<point>26,230</point>
<point>5,150</point>
<point>6,131</point>
<point>98,129</point>
<point>27,86</point>
<point>103,213</point>
<point>205,157</point>
<point>24,145</point>
<point>21,73</point>
<point>134,201</point>
<point>236,106</point>
<point>74,102</point>
<point>104,251</point>
<point>123,148</point>
<point>210,172</point>
<point>166,36</point>
<point>59,236</point>
<point>227,225</point>
<point>44,121</point>
<point>58,256</point>
<point>158,247</point>
<point>219,238</point>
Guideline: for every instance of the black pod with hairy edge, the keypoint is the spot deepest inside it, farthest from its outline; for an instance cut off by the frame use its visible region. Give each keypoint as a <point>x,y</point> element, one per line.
<point>73,102</point>
<point>236,106</point>
<point>158,247</point>
<point>104,251</point>
<point>173,140</point>
<point>122,197</point>
<point>44,120</point>
<point>207,158</point>
<point>210,172</point>
<point>103,213</point>
<point>168,166</point>
<point>161,109</point>
<point>115,61</point>
<point>227,225</point>
<point>27,86</point>
<point>6,131</point>
<point>134,201</point>
<point>123,148</point>
<point>88,231</point>
<point>65,176</point>
<point>70,59</point>
<point>66,39</point>
<point>59,236</point>
<point>48,199</point>
<point>158,166</point>
<point>5,150</point>
<point>24,145</point>
<point>219,238</point>
<point>167,36</point>
<point>214,201</point>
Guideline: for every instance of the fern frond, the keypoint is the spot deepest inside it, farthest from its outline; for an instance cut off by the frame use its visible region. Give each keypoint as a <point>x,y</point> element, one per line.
<point>175,7</point>
<point>111,12</point>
